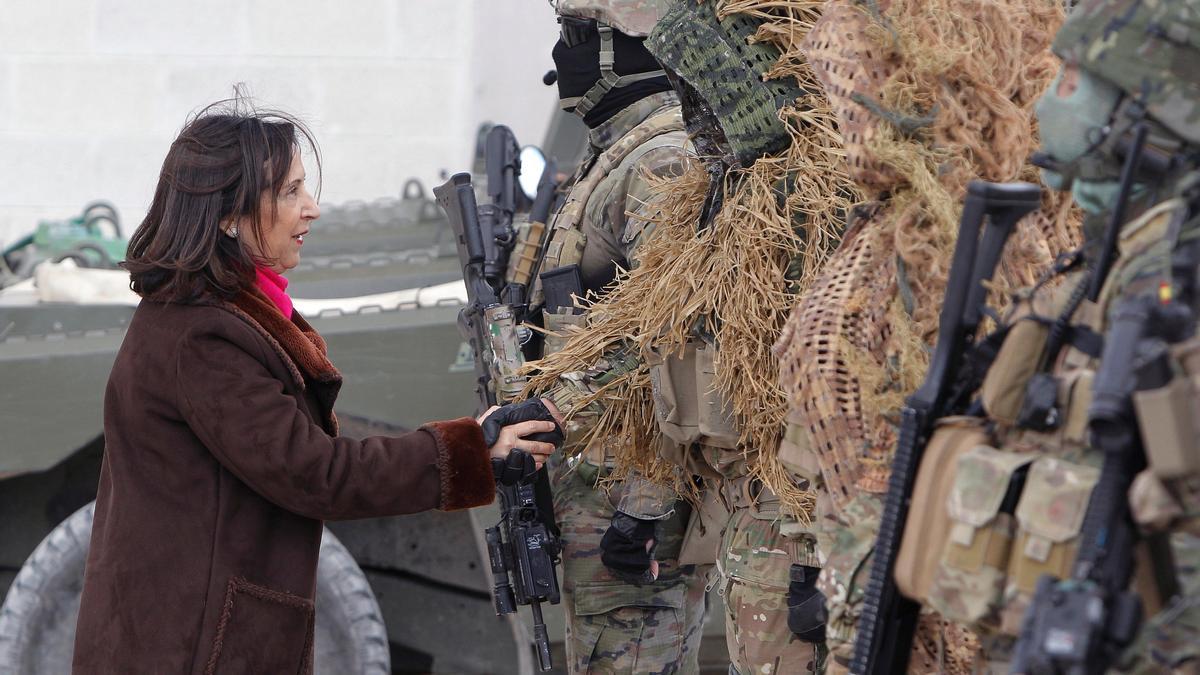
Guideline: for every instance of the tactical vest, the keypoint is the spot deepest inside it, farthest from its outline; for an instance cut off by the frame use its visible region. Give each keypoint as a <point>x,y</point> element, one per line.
<point>566,241</point>
<point>1000,500</point>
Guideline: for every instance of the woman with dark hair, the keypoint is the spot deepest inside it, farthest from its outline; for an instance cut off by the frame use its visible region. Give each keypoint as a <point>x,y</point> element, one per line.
<point>222,457</point>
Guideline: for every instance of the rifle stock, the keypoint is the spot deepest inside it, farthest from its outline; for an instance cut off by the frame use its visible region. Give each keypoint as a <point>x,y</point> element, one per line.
<point>888,620</point>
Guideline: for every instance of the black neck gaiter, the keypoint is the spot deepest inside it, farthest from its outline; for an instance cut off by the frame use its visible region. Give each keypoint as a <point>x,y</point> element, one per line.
<point>579,68</point>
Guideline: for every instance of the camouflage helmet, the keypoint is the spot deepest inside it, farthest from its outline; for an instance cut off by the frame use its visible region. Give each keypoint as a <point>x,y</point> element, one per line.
<point>718,60</point>
<point>635,18</point>
<point>1148,48</point>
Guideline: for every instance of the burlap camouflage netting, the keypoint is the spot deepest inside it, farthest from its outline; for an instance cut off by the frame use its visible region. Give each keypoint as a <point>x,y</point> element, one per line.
<point>730,281</point>
<point>939,92</point>
<point>931,94</point>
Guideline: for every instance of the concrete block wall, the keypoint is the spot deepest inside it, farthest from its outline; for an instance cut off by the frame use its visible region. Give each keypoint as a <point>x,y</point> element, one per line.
<point>93,91</point>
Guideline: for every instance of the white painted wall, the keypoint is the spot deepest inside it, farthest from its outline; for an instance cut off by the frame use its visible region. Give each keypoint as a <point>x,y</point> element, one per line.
<point>93,91</point>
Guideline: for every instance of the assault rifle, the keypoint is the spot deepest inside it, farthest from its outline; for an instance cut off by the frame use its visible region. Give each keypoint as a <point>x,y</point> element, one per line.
<point>1081,624</point>
<point>521,545</point>
<point>485,236</point>
<point>885,629</point>
<point>489,326</point>
<point>524,544</point>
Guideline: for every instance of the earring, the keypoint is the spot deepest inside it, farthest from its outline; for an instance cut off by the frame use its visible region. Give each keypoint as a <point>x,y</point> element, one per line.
<point>232,231</point>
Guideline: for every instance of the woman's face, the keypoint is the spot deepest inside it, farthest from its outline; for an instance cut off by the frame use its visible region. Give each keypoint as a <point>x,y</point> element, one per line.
<point>294,209</point>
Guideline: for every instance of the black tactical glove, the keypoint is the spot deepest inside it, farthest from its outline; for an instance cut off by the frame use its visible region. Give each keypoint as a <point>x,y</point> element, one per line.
<point>624,550</point>
<point>806,605</point>
<point>530,409</point>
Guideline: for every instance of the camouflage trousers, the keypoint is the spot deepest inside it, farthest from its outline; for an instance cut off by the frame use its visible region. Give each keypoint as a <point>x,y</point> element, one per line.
<point>614,626</point>
<point>756,561</point>
<point>1169,642</point>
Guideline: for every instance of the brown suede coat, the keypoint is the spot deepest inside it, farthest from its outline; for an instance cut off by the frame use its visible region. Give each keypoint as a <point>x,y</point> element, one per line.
<point>221,462</point>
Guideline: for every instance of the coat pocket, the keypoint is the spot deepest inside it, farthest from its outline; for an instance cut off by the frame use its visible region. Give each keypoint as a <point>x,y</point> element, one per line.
<point>262,631</point>
<point>754,551</point>
<point>611,621</point>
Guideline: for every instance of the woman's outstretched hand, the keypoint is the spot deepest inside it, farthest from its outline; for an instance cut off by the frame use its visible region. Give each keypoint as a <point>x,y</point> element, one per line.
<point>530,425</point>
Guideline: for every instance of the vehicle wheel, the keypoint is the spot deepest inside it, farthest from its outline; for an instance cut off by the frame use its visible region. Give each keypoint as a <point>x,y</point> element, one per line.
<point>350,635</point>
<point>37,620</point>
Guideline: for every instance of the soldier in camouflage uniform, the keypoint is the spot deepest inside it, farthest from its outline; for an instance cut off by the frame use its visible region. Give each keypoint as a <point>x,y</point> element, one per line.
<point>857,340</point>
<point>764,547</point>
<point>1130,62</point>
<point>733,119</point>
<point>646,613</point>
<point>1000,497</point>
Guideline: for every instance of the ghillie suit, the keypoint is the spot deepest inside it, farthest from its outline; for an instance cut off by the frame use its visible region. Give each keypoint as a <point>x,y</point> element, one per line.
<point>1043,510</point>
<point>615,624</point>
<point>673,376</point>
<point>928,95</point>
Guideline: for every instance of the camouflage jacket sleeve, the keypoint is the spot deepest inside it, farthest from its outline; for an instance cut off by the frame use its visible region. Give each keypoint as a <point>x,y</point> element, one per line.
<point>574,391</point>
<point>615,220</point>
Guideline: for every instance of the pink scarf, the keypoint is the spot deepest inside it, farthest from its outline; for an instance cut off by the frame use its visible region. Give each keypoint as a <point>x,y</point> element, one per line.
<point>274,286</point>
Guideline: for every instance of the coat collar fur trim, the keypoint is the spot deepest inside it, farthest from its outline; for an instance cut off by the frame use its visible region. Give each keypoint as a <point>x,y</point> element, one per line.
<point>301,347</point>
<point>296,343</point>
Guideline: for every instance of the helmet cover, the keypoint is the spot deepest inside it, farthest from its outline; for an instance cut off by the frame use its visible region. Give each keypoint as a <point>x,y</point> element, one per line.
<point>718,60</point>
<point>635,18</point>
<point>1148,48</point>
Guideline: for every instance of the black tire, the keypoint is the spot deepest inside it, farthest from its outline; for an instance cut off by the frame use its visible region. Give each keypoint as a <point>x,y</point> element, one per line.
<point>37,620</point>
<point>350,635</point>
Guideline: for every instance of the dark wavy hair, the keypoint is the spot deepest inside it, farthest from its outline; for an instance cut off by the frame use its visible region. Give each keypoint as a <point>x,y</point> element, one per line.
<point>217,169</point>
